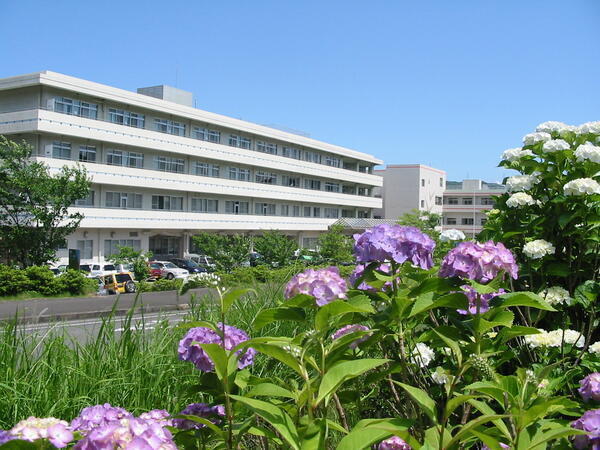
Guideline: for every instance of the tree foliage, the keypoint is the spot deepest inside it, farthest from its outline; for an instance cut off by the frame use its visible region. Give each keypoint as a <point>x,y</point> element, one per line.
<point>137,258</point>
<point>276,249</point>
<point>34,215</point>
<point>334,246</point>
<point>227,251</point>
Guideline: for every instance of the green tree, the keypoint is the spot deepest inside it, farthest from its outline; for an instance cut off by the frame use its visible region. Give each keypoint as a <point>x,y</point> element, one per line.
<point>137,258</point>
<point>227,251</point>
<point>276,249</point>
<point>334,246</point>
<point>34,213</point>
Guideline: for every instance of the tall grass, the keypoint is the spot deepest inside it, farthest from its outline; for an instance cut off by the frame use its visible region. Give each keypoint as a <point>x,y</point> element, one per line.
<point>54,375</point>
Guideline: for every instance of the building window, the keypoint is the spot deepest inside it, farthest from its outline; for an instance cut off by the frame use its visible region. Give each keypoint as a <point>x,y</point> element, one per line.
<point>290,152</point>
<point>127,159</point>
<point>265,178</point>
<point>467,221</point>
<point>316,211</point>
<point>364,191</point>
<point>235,173</point>
<point>87,201</point>
<point>128,200</point>
<point>312,184</point>
<point>205,205</point>
<point>467,201</point>
<point>422,203</point>
<point>61,150</point>
<point>307,211</point>
<point>285,210</point>
<point>235,207</point>
<point>331,213</point>
<point>438,200</point>
<point>124,117</point>
<point>452,201</point>
<point>206,135</point>
<point>363,214</point>
<point>169,127</point>
<point>422,182</point>
<point>111,246</point>
<point>310,243</point>
<point>451,221</point>
<point>241,142</point>
<point>264,209</point>
<point>167,202</point>
<point>266,147</point>
<point>332,161</point>
<point>76,107</point>
<point>487,201</point>
<point>87,153</point>
<point>167,164</point>
<point>296,211</point>
<point>206,169</point>
<point>86,248</point>
<point>347,213</point>
<point>441,182</point>
<point>287,180</point>
<point>332,187</point>
<point>351,190</point>
<point>311,157</point>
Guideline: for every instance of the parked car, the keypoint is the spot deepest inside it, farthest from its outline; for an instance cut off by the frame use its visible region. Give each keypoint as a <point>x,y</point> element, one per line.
<point>203,261</point>
<point>121,282</point>
<point>97,270</point>
<point>189,265</point>
<point>169,270</point>
<point>155,269</point>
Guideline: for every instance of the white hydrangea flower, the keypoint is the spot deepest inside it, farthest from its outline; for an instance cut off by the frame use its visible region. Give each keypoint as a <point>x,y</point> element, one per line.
<point>588,151</point>
<point>439,377</point>
<point>452,235</point>
<point>582,186</point>
<point>514,154</point>
<point>538,249</point>
<point>555,145</point>
<point>422,355</point>
<point>595,348</point>
<point>534,138</point>
<point>492,212</point>
<point>556,295</point>
<point>554,127</point>
<point>521,182</point>
<point>569,336</point>
<point>542,339</point>
<point>520,199</point>
<point>588,128</point>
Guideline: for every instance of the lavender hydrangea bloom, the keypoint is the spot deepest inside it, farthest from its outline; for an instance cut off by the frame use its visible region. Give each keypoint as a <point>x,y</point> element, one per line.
<point>98,415</point>
<point>352,329</point>
<point>200,410</point>
<point>55,430</point>
<point>476,299</point>
<point>394,443</point>
<point>590,387</point>
<point>325,285</point>
<point>359,271</point>
<point>394,243</point>
<point>188,351</point>
<point>130,434</point>
<point>5,436</point>
<point>590,422</point>
<point>479,262</point>
<point>159,416</point>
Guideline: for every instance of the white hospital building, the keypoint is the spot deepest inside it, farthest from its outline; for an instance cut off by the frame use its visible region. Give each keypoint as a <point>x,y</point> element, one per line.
<point>163,170</point>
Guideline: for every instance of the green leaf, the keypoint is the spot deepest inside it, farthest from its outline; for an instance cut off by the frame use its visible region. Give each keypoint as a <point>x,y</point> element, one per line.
<point>342,372</point>
<point>230,297</point>
<point>466,428</point>
<point>426,302</point>
<point>424,401</point>
<point>521,299</point>
<point>269,390</point>
<point>558,269</point>
<point>488,388</point>
<point>486,409</point>
<point>197,419</point>
<point>506,334</point>
<point>218,356</point>
<point>312,437</point>
<point>266,316</point>
<point>366,433</point>
<point>300,300</point>
<point>337,308</point>
<point>275,351</point>
<point>451,343</point>
<point>455,402</point>
<point>277,417</point>
<point>432,284</point>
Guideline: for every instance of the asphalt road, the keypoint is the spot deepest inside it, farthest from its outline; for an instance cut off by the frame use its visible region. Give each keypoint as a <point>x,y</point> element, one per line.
<point>77,308</point>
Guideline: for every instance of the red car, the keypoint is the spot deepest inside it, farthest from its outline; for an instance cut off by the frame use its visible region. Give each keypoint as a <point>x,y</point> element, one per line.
<point>155,270</point>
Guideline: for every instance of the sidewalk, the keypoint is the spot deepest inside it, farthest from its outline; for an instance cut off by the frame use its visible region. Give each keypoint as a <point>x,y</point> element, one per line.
<point>72,308</point>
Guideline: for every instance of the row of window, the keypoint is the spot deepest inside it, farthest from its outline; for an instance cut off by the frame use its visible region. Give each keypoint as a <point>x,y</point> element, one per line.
<point>469,201</point>
<point>111,246</point>
<point>123,117</point>
<point>464,221</point>
<point>87,153</point>
<point>441,182</point>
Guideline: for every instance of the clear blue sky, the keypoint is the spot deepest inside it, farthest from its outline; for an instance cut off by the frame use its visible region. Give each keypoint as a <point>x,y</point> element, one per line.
<point>446,83</point>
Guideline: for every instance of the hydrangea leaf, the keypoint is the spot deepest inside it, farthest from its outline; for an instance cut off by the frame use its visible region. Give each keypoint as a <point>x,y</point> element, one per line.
<point>521,299</point>
<point>269,390</point>
<point>269,315</point>
<point>424,401</point>
<point>371,431</point>
<point>230,297</point>
<point>337,308</point>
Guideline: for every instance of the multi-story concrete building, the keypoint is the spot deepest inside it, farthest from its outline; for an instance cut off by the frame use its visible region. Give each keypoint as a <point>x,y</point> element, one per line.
<point>466,204</point>
<point>407,187</point>
<point>162,170</point>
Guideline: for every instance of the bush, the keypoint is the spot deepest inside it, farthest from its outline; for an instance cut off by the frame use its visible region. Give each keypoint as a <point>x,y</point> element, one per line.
<point>76,283</point>
<point>42,280</point>
<point>12,281</point>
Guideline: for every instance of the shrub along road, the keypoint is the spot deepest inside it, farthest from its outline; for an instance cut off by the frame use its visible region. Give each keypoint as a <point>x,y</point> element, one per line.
<point>73,308</point>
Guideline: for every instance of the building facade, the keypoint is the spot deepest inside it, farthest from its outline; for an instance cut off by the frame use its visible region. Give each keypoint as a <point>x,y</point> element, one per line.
<point>407,187</point>
<point>466,204</point>
<point>162,170</point>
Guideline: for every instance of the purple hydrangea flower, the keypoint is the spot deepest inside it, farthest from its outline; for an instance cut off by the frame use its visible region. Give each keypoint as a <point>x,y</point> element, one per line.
<point>55,430</point>
<point>394,243</point>
<point>351,329</point>
<point>590,387</point>
<point>159,416</point>
<point>188,351</point>
<point>96,416</point>
<point>200,410</point>
<point>479,262</point>
<point>478,300</point>
<point>5,436</point>
<point>394,443</point>
<point>359,271</point>
<point>128,434</point>
<point>325,285</point>
<point>590,422</point>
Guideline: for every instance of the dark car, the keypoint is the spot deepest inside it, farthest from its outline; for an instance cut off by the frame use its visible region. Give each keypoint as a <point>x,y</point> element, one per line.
<point>189,265</point>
